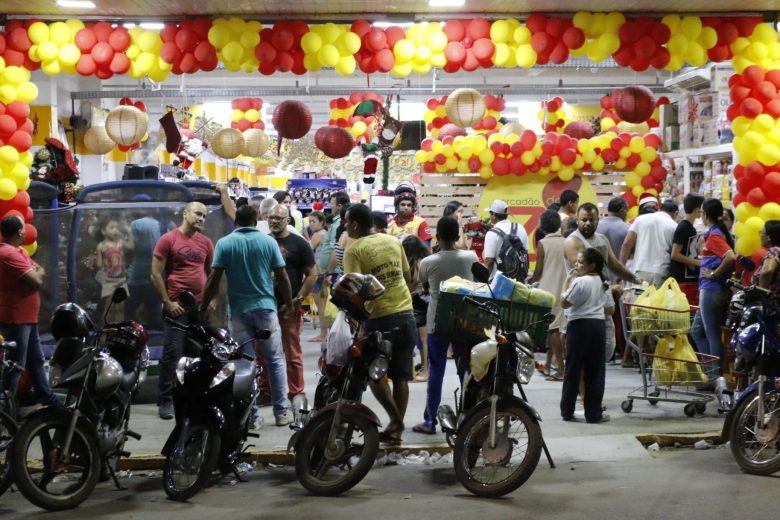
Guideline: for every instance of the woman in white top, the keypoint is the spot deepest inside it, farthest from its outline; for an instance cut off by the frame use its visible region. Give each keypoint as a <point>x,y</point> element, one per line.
<point>587,300</point>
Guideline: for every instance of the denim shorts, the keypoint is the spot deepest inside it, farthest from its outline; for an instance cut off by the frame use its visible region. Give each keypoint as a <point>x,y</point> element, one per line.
<point>403,341</point>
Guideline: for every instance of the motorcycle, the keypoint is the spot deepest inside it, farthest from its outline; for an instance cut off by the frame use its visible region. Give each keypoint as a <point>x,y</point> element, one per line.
<point>338,440</point>
<point>490,422</point>
<point>60,452</point>
<point>215,390</point>
<point>752,427</point>
<point>8,424</point>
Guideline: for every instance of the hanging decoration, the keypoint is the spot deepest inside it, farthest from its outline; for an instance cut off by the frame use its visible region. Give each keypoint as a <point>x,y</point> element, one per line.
<point>465,107</point>
<point>235,41</point>
<point>642,43</point>
<point>186,47</point>
<point>144,54</point>
<point>689,41</point>
<point>189,148</point>
<point>247,113</point>
<point>228,143</point>
<point>103,50</point>
<point>468,45</point>
<point>126,124</point>
<point>15,44</point>
<point>599,38</point>
<point>56,165</point>
<point>552,115</point>
<point>435,116</point>
<point>491,118</point>
<point>53,45</point>
<point>634,103</point>
<point>292,120</point>
<point>551,37</point>
<point>97,141</point>
<point>280,49</point>
<point>342,114</point>
<point>330,45</point>
<point>376,49</point>
<point>333,141</point>
<point>422,48</point>
<point>255,142</point>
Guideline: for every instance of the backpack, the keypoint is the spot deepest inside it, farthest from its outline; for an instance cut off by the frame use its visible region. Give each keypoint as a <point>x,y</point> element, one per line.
<point>512,258</point>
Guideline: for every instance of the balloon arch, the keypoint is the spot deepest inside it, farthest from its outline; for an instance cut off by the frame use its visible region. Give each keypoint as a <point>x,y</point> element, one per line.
<point>101,49</point>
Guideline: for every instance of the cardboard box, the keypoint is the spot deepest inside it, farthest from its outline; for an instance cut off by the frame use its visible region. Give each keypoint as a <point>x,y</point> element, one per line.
<point>719,77</point>
<point>686,136</point>
<point>701,107</point>
<point>721,104</point>
<point>705,132</point>
<point>682,108</point>
<point>671,138</point>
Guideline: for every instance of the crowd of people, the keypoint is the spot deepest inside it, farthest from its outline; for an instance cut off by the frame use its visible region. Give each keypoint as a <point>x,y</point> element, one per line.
<point>273,262</point>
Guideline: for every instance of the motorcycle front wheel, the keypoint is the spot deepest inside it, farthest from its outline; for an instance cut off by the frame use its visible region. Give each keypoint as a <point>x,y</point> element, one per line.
<point>757,451</point>
<point>48,477</point>
<point>331,470</point>
<point>190,463</point>
<point>7,431</point>
<point>495,471</point>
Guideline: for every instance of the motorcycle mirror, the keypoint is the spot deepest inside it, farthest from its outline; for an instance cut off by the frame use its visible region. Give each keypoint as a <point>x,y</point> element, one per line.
<point>119,295</point>
<point>187,300</point>
<point>480,272</point>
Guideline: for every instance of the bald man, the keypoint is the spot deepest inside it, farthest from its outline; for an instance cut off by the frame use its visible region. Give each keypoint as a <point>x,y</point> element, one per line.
<point>185,256</point>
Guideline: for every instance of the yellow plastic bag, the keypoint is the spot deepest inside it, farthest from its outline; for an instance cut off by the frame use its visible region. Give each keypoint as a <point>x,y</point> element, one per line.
<point>689,368</point>
<point>330,312</point>
<point>664,364</point>
<point>675,316</point>
<point>644,319</point>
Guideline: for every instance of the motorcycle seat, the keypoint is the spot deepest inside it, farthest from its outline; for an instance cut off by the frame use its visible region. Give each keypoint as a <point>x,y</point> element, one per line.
<point>244,376</point>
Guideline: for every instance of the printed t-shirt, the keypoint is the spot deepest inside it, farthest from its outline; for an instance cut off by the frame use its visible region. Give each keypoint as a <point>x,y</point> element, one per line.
<point>715,247</point>
<point>186,259</point>
<point>248,258</point>
<point>382,256</point>
<point>415,227</point>
<point>686,236</point>
<point>19,301</point>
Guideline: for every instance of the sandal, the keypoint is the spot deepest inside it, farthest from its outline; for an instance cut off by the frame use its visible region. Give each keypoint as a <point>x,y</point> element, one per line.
<point>424,428</point>
<point>541,368</point>
<point>421,377</point>
<point>391,438</point>
<point>317,339</point>
<point>554,377</point>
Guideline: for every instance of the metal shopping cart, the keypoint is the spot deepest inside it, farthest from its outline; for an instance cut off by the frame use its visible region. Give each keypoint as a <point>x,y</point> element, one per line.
<point>666,378</point>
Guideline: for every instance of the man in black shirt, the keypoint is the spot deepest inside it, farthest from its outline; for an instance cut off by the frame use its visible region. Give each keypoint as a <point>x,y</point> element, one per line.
<point>685,251</point>
<point>299,264</point>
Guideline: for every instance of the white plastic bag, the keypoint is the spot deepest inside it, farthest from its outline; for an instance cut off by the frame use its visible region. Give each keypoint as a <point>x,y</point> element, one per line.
<point>338,341</point>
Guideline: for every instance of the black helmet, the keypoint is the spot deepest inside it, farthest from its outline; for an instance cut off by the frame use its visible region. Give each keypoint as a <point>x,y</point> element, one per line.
<point>353,290</point>
<point>70,321</point>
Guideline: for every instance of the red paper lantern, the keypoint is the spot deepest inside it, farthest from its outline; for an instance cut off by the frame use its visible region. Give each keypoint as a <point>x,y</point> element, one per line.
<point>634,103</point>
<point>579,130</point>
<point>292,119</point>
<point>333,141</point>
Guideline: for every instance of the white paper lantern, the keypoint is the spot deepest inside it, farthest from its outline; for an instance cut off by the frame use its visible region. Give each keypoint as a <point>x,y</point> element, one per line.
<point>126,125</point>
<point>256,142</point>
<point>228,143</point>
<point>465,107</point>
<point>97,141</point>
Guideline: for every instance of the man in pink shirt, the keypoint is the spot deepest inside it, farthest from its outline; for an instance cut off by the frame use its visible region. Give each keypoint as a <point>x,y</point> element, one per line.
<point>185,256</point>
<point>20,280</point>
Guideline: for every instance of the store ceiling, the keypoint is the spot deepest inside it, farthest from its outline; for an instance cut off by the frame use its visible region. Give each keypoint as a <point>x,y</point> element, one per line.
<point>375,9</point>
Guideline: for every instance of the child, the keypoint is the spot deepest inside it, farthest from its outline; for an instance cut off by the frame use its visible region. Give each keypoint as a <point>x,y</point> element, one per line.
<point>110,262</point>
<point>587,299</point>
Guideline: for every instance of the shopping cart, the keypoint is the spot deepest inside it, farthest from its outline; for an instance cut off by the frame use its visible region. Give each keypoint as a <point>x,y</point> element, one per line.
<point>666,378</point>
<point>464,322</point>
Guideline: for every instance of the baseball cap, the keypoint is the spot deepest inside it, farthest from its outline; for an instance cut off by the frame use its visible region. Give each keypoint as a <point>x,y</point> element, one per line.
<point>647,199</point>
<point>498,207</point>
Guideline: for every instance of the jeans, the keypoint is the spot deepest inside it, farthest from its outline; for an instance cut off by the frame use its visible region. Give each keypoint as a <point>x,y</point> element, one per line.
<point>173,343</point>
<point>144,294</point>
<point>584,355</point>
<point>705,330</point>
<point>437,364</point>
<point>28,354</point>
<point>243,328</point>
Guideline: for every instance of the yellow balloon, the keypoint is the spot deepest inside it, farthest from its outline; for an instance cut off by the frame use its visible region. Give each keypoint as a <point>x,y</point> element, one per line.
<point>479,145</point>
<point>32,248</point>
<point>648,155</point>
<point>7,189</point>
<point>311,63</point>
<point>636,144</point>
<point>74,25</point>
<point>437,42</point>
<point>219,35</point>
<point>677,44</point>
<point>438,60</point>
<point>566,174</point>
<point>346,65</point>
<point>769,211</point>
<point>51,68</point>
<point>349,43</point>
<point>769,154</point>
<point>695,54</point>
<point>747,245</point>
<point>69,54</point>
<point>744,211</point>
<point>500,31</point>
<point>642,168</point>
<point>525,55</point>
<point>633,212</point>
<point>404,50</point>
<point>59,33</point>
<point>691,27</point>
<point>417,34</point>
<point>250,39</point>
<point>423,54</point>
<point>463,167</point>
<point>328,55</point>
<point>637,190</point>
<point>421,156</point>
<point>38,32</point>
<point>330,33</point>
<point>608,43</point>
<point>149,41</point>
<point>708,38</point>
<point>522,35</point>
<point>421,68</point>
<point>311,42</point>
<point>145,62</point>
<point>485,172</point>
<point>487,156</point>
<point>233,51</point>
<point>48,50</point>
<point>252,115</point>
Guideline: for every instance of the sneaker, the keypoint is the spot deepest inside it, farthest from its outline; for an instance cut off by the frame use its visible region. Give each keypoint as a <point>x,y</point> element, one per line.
<point>166,411</point>
<point>604,418</point>
<point>284,419</point>
<point>256,421</point>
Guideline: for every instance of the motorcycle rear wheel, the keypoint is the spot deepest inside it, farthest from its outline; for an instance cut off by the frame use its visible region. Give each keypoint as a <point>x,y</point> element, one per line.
<point>7,430</point>
<point>754,455</point>
<point>195,457</point>
<point>40,472</point>
<point>494,472</point>
<point>311,465</point>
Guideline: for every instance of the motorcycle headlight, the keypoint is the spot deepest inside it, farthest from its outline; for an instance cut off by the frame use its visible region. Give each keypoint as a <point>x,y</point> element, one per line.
<point>223,374</point>
<point>143,366</point>
<point>55,375</point>
<point>525,366</point>
<point>223,350</point>
<point>378,368</point>
<point>181,368</point>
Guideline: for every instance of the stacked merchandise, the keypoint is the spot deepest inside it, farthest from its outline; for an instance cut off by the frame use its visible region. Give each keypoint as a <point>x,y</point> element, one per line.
<point>698,126</point>
<point>716,180</point>
<point>721,100</point>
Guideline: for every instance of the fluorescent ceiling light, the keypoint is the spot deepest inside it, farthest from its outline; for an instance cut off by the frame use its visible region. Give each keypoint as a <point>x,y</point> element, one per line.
<point>446,3</point>
<point>76,3</point>
<point>385,25</point>
<point>151,26</point>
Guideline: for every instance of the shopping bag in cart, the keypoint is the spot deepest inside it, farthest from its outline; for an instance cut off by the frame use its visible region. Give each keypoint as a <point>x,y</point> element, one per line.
<point>689,368</point>
<point>673,313</point>
<point>644,318</point>
<point>664,364</point>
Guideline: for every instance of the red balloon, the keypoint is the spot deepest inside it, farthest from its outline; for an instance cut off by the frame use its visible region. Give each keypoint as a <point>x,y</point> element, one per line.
<point>719,53</point>
<point>773,76</point>
<point>560,53</point>
<point>652,140</point>
<point>773,108</point>
<point>120,63</point>
<point>102,31</point>
<point>536,23</point>
<point>7,125</point>
<point>119,39</point>
<point>440,159</point>
<point>283,40</point>
<point>188,63</point>
<point>22,141</point>
<point>14,57</point>
<point>455,53</point>
<point>395,33</point>
<point>85,39</point>
<point>471,63</point>
<point>20,201</point>
<point>140,106</point>
<point>661,33</point>
<point>186,40</point>
<point>474,164</point>
<point>210,63</point>
<point>516,165</point>
<point>753,75</point>
<point>455,30</point>
<point>727,33</point>
<point>632,161</point>
<point>756,197</point>
<point>267,68</point>
<point>541,41</point>
<point>298,28</point>
<point>528,139</point>
<point>573,38</point>
<point>555,27</point>
<point>283,62</point>
<point>737,93</point>
<point>86,65</point>
<point>170,52</point>
<point>102,53</point>
<point>483,48</point>
<point>568,156</point>
<point>384,60</point>
<point>429,167</point>
<point>609,155</point>
<point>765,91</point>
<point>168,32</point>
<point>30,234</point>
<point>204,51</point>
<point>479,28</point>
<point>360,27</point>
<point>18,39</point>
<point>500,166</point>
<point>751,107</point>
<point>265,52</point>
<point>624,55</point>
<point>376,40</point>
<point>489,123</point>
<point>771,184</point>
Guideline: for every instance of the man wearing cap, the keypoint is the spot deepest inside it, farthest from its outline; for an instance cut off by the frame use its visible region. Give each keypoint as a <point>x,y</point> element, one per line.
<point>649,239</point>
<point>405,222</point>
<point>648,203</point>
<point>499,213</point>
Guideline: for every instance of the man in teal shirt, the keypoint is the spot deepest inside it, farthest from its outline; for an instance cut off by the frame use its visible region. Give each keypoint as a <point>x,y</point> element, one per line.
<point>252,261</point>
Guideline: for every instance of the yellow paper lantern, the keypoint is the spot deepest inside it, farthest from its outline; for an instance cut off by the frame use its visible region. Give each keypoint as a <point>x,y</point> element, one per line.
<point>256,142</point>
<point>228,143</point>
<point>97,141</point>
<point>465,107</point>
<point>126,125</point>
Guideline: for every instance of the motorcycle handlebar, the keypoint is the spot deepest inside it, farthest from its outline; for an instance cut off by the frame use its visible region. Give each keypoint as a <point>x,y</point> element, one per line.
<point>485,307</point>
<point>748,288</point>
<point>248,357</point>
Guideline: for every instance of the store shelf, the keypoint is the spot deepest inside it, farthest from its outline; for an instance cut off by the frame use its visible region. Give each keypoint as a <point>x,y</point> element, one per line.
<point>719,150</point>
<point>696,79</point>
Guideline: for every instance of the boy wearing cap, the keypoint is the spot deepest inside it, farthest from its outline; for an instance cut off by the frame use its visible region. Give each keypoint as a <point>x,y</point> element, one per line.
<point>499,213</point>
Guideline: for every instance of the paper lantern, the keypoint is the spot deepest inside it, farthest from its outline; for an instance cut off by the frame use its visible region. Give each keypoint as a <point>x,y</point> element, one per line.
<point>126,125</point>
<point>634,103</point>
<point>97,141</point>
<point>255,142</point>
<point>512,128</point>
<point>292,119</point>
<point>228,143</point>
<point>333,141</point>
<point>579,130</point>
<point>465,107</point>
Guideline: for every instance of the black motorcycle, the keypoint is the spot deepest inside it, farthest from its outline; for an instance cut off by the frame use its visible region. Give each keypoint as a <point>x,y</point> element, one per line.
<point>8,408</point>
<point>339,440</point>
<point>752,426</point>
<point>495,434</point>
<point>60,452</point>
<point>216,388</point>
